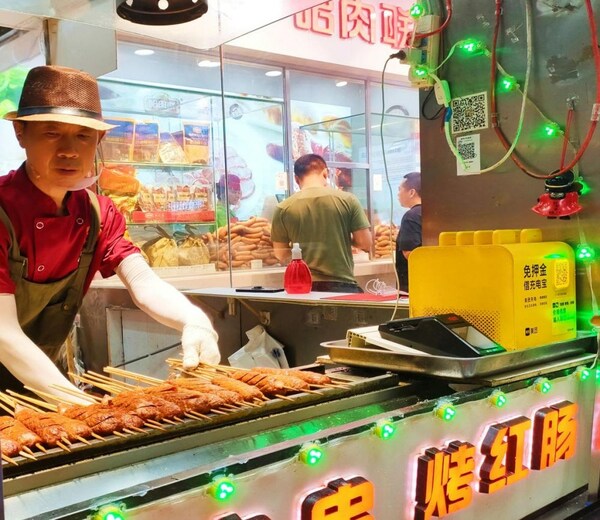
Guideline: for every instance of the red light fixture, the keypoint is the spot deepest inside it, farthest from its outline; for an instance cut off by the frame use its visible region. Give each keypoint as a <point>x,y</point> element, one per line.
<point>561,197</point>
<point>161,12</point>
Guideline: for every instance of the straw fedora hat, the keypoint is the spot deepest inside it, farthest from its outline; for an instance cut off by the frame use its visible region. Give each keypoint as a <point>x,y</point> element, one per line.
<point>52,93</point>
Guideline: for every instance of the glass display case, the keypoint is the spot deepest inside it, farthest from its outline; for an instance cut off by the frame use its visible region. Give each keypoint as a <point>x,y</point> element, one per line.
<point>164,164</point>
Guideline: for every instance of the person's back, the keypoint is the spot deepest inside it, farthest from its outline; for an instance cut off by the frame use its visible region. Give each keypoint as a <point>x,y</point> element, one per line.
<point>325,222</point>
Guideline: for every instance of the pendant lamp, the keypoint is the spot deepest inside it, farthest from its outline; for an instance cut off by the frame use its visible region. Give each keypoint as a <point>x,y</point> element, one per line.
<point>161,12</point>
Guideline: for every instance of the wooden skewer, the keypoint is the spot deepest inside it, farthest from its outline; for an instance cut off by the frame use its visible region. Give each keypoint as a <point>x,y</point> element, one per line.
<point>28,450</point>
<point>132,375</point>
<point>28,401</point>
<point>284,397</point>
<point>76,393</point>
<point>40,447</point>
<point>60,444</point>
<point>178,419</point>
<point>66,440</point>
<point>113,389</point>
<point>9,460</point>
<point>119,434</point>
<point>217,411</point>
<point>196,415</point>
<point>171,421</point>
<point>26,455</point>
<point>7,409</point>
<point>155,424</point>
<point>135,428</point>
<point>81,439</point>
<point>96,436</point>
<point>110,380</point>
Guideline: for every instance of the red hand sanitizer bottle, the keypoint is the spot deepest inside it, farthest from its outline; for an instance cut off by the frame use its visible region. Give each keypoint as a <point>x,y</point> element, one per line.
<point>297,278</point>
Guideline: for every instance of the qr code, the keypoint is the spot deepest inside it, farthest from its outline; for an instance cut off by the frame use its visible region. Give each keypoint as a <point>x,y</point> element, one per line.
<point>469,113</point>
<point>466,150</point>
<point>561,274</point>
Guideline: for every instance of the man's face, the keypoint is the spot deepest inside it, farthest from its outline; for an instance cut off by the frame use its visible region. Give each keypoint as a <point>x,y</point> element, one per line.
<point>405,195</point>
<point>59,155</point>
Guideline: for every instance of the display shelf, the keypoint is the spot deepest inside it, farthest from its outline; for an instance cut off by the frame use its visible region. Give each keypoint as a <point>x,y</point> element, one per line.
<point>394,126</point>
<point>160,165</point>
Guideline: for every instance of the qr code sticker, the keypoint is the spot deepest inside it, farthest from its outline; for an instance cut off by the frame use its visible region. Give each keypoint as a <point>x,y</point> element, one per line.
<point>561,274</point>
<point>469,113</point>
<point>466,150</point>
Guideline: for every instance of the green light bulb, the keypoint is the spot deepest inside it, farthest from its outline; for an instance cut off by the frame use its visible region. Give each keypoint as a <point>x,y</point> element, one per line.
<point>498,398</point>
<point>109,512</point>
<point>471,45</point>
<point>416,11</point>
<point>542,385</point>
<point>222,488</point>
<point>445,411</point>
<point>508,83</point>
<point>583,373</point>
<point>311,454</point>
<point>585,187</point>
<point>384,429</point>
<point>585,253</point>
<point>552,129</point>
<point>421,71</point>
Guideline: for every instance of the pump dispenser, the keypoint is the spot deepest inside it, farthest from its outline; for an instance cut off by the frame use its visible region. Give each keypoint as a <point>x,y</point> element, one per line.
<point>297,278</point>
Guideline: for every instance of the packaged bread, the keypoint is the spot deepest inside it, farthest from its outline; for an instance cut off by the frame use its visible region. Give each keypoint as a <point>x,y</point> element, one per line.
<point>161,251</point>
<point>145,142</point>
<point>170,151</point>
<point>195,142</point>
<point>117,144</point>
<point>192,251</point>
<point>119,178</point>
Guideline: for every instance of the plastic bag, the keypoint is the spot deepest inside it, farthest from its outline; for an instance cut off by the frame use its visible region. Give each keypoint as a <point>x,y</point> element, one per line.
<point>260,351</point>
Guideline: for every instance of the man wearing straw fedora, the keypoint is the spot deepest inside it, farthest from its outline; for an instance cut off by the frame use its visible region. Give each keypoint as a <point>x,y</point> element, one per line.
<point>55,235</point>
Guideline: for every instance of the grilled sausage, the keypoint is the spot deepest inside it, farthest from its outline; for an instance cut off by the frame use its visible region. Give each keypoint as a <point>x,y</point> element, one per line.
<point>247,392</point>
<point>12,429</point>
<point>311,378</point>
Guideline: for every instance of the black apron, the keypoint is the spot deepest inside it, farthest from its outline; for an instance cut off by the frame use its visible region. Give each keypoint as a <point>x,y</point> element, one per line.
<point>46,311</point>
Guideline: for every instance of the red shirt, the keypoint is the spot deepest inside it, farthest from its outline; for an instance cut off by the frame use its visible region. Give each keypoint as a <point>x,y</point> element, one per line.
<point>52,244</point>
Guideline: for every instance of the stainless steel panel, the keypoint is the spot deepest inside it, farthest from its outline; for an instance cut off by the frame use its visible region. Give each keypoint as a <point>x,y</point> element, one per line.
<point>465,369</point>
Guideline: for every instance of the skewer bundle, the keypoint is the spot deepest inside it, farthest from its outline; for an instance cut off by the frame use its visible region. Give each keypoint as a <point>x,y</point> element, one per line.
<point>152,403</point>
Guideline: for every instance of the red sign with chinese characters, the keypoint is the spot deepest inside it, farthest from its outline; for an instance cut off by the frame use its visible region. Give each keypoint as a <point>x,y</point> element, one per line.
<point>371,22</point>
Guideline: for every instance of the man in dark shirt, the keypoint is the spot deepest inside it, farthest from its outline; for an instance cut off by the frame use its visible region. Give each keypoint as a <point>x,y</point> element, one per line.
<point>409,236</point>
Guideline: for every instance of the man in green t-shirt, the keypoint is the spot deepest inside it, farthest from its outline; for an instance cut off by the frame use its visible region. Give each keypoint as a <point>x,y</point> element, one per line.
<point>326,223</point>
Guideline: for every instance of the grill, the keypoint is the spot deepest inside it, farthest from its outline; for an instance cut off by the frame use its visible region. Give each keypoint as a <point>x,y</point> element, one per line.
<point>166,436</point>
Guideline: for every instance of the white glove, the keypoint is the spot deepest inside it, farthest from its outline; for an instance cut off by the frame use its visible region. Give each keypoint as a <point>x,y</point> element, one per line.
<point>199,345</point>
<point>168,306</point>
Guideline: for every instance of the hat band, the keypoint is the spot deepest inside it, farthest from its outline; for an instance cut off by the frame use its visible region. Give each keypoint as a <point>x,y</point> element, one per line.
<point>32,111</point>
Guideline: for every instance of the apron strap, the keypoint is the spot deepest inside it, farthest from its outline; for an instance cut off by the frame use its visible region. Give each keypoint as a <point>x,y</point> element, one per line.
<point>15,252</point>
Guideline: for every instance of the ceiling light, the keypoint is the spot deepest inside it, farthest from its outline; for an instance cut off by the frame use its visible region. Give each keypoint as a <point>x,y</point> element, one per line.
<point>208,63</point>
<point>273,73</point>
<point>341,83</point>
<point>144,52</point>
<point>161,12</point>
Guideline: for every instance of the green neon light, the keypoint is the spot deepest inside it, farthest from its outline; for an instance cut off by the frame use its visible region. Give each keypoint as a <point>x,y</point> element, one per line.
<point>542,385</point>
<point>498,398</point>
<point>420,71</point>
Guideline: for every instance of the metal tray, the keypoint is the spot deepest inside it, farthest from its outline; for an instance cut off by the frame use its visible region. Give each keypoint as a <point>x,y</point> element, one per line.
<point>458,369</point>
